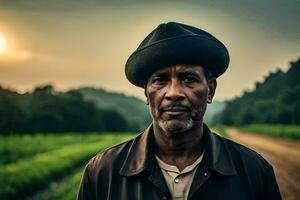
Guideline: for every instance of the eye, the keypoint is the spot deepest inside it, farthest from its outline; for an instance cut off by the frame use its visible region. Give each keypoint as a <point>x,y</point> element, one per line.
<point>159,80</point>
<point>190,79</point>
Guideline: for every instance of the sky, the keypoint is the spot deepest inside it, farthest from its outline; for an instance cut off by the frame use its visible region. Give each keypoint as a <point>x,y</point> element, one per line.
<point>73,43</point>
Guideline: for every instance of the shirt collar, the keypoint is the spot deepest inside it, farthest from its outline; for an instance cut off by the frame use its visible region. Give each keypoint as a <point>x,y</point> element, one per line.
<point>140,157</point>
<point>173,168</point>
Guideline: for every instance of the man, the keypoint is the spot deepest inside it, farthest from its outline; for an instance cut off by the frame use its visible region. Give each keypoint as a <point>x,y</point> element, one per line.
<point>178,157</point>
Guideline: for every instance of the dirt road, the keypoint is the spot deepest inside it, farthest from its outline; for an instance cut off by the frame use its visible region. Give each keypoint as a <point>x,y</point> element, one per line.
<point>284,155</point>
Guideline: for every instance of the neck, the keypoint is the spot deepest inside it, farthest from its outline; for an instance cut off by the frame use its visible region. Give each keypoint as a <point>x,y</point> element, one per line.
<point>180,149</point>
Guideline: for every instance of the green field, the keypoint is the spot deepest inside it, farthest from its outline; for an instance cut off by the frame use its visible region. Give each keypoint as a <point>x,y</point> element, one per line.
<point>274,130</point>
<point>220,130</point>
<point>48,166</point>
<point>44,167</point>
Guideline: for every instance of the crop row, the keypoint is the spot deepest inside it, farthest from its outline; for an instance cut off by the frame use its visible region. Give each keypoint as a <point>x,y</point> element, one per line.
<point>13,148</point>
<point>66,190</point>
<point>27,175</point>
<point>274,130</point>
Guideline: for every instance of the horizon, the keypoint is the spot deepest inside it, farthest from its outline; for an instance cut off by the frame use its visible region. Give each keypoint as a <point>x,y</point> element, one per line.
<point>143,98</point>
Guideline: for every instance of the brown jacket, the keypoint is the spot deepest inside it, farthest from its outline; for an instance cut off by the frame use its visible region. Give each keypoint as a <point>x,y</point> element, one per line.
<point>129,171</point>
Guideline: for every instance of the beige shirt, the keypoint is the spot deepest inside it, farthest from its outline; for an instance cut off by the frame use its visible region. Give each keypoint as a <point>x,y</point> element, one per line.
<point>179,182</point>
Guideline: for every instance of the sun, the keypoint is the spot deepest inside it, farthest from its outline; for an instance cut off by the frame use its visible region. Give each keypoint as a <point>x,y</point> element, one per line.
<point>3,44</point>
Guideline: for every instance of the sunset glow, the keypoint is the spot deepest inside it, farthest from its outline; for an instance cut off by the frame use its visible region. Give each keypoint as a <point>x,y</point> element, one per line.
<point>3,44</point>
<point>90,43</point>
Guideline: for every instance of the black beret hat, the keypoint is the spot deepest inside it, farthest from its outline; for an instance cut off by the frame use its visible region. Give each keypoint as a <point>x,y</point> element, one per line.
<point>172,44</point>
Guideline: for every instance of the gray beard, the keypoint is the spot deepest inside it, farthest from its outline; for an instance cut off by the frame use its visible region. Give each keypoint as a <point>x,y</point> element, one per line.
<point>173,127</point>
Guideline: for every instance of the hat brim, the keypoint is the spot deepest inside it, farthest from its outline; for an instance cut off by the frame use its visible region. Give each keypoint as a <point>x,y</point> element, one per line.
<point>192,50</point>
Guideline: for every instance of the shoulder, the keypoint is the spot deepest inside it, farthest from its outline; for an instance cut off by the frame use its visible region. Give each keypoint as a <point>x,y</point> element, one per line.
<point>251,168</point>
<point>243,155</point>
<point>110,158</point>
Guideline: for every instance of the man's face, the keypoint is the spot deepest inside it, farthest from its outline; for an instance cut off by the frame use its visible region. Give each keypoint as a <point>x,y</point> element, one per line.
<point>178,97</point>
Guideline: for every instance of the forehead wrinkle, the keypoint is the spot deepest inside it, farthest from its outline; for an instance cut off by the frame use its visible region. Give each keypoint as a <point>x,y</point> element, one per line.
<point>161,71</point>
<point>193,69</point>
<point>177,69</point>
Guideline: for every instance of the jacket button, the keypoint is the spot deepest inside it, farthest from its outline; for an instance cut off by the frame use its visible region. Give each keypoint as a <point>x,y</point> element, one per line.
<point>164,198</point>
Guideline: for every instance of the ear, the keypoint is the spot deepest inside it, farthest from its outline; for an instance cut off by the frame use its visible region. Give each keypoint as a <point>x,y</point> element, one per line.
<point>212,86</point>
<point>145,91</point>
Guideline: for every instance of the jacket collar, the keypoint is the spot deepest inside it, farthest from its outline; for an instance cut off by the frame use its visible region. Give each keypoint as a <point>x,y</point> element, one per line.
<point>217,156</point>
<point>140,157</point>
<point>141,154</point>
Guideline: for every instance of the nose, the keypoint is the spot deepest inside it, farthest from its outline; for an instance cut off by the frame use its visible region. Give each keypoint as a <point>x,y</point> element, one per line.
<point>174,91</point>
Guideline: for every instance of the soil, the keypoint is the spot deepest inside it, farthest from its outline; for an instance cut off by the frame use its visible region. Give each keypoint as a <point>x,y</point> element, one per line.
<point>282,154</point>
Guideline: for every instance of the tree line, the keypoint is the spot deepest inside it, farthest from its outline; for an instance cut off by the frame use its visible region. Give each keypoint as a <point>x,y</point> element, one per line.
<point>276,100</point>
<point>45,110</point>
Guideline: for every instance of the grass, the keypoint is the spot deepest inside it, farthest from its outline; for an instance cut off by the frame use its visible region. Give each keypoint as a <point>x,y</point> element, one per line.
<point>274,130</point>
<point>29,174</point>
<point>66,190</point>
<point>219,129</point>
<point>13,148</point>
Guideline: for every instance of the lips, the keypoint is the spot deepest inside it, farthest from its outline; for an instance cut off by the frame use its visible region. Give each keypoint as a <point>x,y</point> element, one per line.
<point>175,110</point>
